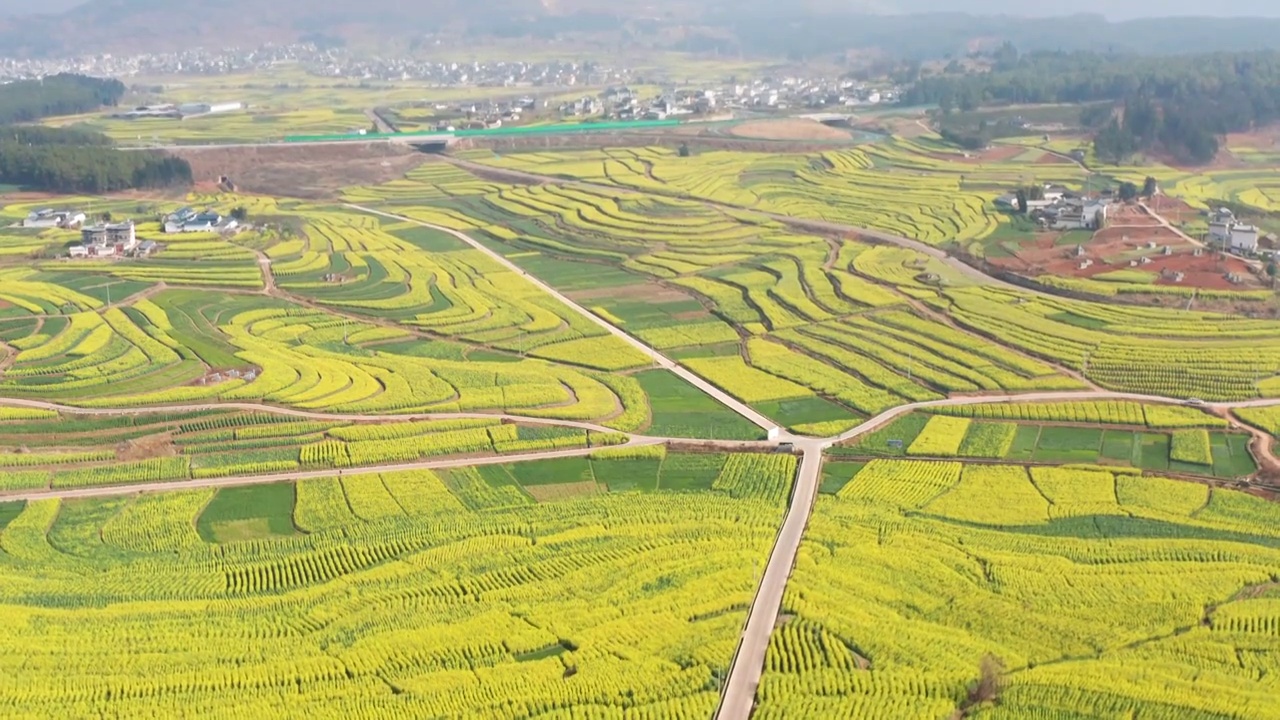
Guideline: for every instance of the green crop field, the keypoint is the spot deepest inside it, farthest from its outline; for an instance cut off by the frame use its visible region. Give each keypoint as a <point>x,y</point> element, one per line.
<point>1119,433</point>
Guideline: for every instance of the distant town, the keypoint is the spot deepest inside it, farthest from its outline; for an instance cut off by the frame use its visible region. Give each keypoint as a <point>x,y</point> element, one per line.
<point>771,91</point>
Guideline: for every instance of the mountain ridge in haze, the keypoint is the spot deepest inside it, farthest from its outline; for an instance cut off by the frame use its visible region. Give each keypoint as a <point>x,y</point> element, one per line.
<point>1107,8</point>
<point>803,28</point>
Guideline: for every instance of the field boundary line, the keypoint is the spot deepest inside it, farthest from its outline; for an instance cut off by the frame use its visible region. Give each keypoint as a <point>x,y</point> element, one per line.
<point>663,361</point>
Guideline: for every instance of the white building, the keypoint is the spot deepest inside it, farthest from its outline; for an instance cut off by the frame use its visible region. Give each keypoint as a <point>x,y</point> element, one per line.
<point>121,236</point>
<point>187,220</point>
<point>1220,223</point>
<point>1226,231</point>
<point>1077,214</point>
<point>50,218</point>
<point>1244,238</point>
<point>195,109</point>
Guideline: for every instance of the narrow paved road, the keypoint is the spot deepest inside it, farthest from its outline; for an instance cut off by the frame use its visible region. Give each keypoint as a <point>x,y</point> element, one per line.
<point>379,123</point>
<point>662,360</point>
<point>747,666</point>
<point>301,414</point>
<point>268,277</point>
<point>1056,396</point>
<point>116,490</point>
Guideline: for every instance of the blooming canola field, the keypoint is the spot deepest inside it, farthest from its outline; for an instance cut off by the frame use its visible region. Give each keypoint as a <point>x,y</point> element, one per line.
<point>357,461</point>
<point>397,594</point>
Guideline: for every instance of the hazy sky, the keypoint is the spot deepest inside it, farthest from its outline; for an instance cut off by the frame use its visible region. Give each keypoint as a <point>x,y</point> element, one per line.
<point>1110,8</point>
<point>26,7</point>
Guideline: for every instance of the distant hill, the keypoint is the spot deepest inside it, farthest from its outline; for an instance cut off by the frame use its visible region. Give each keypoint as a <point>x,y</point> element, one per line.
<point>802,28</point>
<point>14,8</point>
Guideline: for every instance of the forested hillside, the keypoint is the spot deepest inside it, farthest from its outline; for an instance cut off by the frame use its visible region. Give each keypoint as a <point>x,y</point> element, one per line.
<point>64,94</point>
<point>1179,105</point>
<point>60,160</point>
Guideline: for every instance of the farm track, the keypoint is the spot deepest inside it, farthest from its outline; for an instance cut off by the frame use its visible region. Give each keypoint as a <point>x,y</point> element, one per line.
<point>117,490</point>
<point>1164,223</point>
<point>301,414</point>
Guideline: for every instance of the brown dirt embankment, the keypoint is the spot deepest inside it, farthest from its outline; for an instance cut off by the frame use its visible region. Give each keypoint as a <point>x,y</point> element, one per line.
<point>304,171</point>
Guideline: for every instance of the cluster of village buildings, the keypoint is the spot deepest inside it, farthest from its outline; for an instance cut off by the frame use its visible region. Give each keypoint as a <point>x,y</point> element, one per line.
<point>621,102</point>
<point>1061,209</point>
<point>1231,234</point>
<point>120,239</point>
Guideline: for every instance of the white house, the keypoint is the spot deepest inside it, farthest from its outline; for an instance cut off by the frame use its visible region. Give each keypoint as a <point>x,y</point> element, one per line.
<point>1095,210</point>
<point>1244,238</point>
<point>1077,214</point>
<point>109,239</point>
<point>50,218</point>
<point>175,222</point>
<point>187,220</point>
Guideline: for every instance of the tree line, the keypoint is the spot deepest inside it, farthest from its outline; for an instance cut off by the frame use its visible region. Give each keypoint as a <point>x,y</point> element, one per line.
<point>63,94</point>
<point>90,168</point>
<point>1180,105</point>
<point>73,159</point>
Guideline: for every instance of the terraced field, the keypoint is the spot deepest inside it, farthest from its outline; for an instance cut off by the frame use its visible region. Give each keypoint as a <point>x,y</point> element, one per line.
<point>455,446</point>
<point>778,318</point>
<point>357,318</point>
<point>918,188</point>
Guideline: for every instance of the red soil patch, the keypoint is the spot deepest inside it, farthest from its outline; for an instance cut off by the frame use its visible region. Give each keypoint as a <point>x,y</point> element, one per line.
<point>1129,215</point>
<point>1114,240</point>
<point>1172,209</point>
<point>1114,248</point>
<point>1000,153</point>
<point>651,292</point>
<point>301,171</point>
<point>904,127</point>
<point>1256,138</point>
